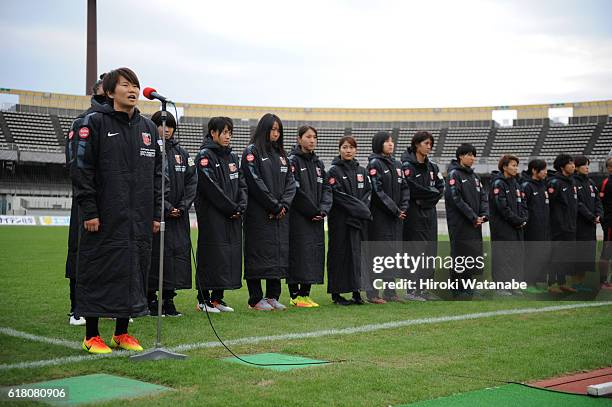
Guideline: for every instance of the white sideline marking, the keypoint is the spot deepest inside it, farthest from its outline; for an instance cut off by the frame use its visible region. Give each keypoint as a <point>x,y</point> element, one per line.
<point>36,338</point>
<point>257,339</point>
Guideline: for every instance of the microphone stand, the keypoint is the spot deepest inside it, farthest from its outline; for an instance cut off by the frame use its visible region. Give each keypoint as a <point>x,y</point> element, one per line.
<point>158,352</point>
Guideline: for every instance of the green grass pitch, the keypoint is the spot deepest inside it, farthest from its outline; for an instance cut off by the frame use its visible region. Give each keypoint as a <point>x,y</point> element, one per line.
<point>379,368</point>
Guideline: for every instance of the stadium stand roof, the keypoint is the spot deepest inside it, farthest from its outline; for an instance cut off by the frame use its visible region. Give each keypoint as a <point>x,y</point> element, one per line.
<point>308,114</point>
<point>34,129</point>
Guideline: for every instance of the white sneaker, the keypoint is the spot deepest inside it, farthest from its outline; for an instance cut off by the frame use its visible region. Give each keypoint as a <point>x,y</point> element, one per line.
<point>275,304</point>
<point>207,308</point>
<point>262,305</point>
<point>222,306</point>
<point>76,321</point>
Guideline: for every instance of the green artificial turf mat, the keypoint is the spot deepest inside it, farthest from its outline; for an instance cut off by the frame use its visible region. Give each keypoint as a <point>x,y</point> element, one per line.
<point>276,358</point>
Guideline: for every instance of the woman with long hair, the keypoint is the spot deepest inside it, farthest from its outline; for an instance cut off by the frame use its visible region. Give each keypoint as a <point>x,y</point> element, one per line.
<point>271,188</point>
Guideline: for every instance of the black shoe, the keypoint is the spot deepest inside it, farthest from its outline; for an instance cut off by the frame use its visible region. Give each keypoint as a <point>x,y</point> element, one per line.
<point>358,301</point>
<point>340,300</point>
<point>168,309</point>
<point>153,308</point>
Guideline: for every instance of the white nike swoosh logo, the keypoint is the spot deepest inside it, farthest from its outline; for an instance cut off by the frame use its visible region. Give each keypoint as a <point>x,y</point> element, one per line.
<point>264,159</point>
<point>216,165</point>
<point>535,193</point>
<point>109,134</point>
<point>564,189</point>
<point>464,180</point>
<point>386,171</point>
<point>418,175</point>
<point>303,169</point>
<point>344,177</point>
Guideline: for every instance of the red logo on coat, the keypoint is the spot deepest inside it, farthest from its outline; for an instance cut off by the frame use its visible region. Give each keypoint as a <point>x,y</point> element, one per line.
<point>84,132</point>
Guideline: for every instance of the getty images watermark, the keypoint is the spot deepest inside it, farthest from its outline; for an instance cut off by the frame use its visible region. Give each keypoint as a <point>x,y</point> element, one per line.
<point>475,268</point>
<point>459,265</point>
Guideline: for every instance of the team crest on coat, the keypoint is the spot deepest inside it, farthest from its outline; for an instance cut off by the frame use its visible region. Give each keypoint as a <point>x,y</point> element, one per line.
<point>232,167</point>
<point>146,139</point>
<point>318,171</point>
<point>399,172</point>
<point>283,161</point>
<point>70,135</point>
<point>204,162</point>
<point>359,177</point>
<point>178,158</point>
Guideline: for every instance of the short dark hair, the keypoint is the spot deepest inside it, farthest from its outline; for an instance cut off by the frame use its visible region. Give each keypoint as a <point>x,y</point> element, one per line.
<point>536,164</point>
<point>505,160</point>
<point>378,140</point>
<point>419,137</point>
<point>261,137</point>
<point>562,160</point>
<point>303,129</point>
<point>218,124</point>
<point>170,120</point>
<point>109,83</point>
<point>349,139</point>
<point>96,86</point>
<point>465,148</point>
<point>581,160</point>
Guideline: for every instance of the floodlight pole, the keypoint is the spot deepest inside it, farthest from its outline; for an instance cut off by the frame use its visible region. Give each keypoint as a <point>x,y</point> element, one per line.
<point>159,352</point>
<point>91,74</point>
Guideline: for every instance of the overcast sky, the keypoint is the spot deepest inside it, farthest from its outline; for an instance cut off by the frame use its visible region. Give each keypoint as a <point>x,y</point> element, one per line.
<point>361,53</point>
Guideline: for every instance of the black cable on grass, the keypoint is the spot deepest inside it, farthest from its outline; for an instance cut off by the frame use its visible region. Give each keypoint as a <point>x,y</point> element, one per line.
<point>230,351</point>
<point>482,379</point>
<point>553,390</point>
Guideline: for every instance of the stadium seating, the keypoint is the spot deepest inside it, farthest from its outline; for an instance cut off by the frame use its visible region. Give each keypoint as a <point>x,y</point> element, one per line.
<point>38,132</point>
<point>603,145</point>
<point>65,123</point>
<point>519,141</point>
<point>571,139</point>
<point>32,131</point>
<point>475,135</point>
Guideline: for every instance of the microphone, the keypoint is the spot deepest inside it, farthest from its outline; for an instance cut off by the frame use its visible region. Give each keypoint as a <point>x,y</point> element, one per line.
<point>151,94</point>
